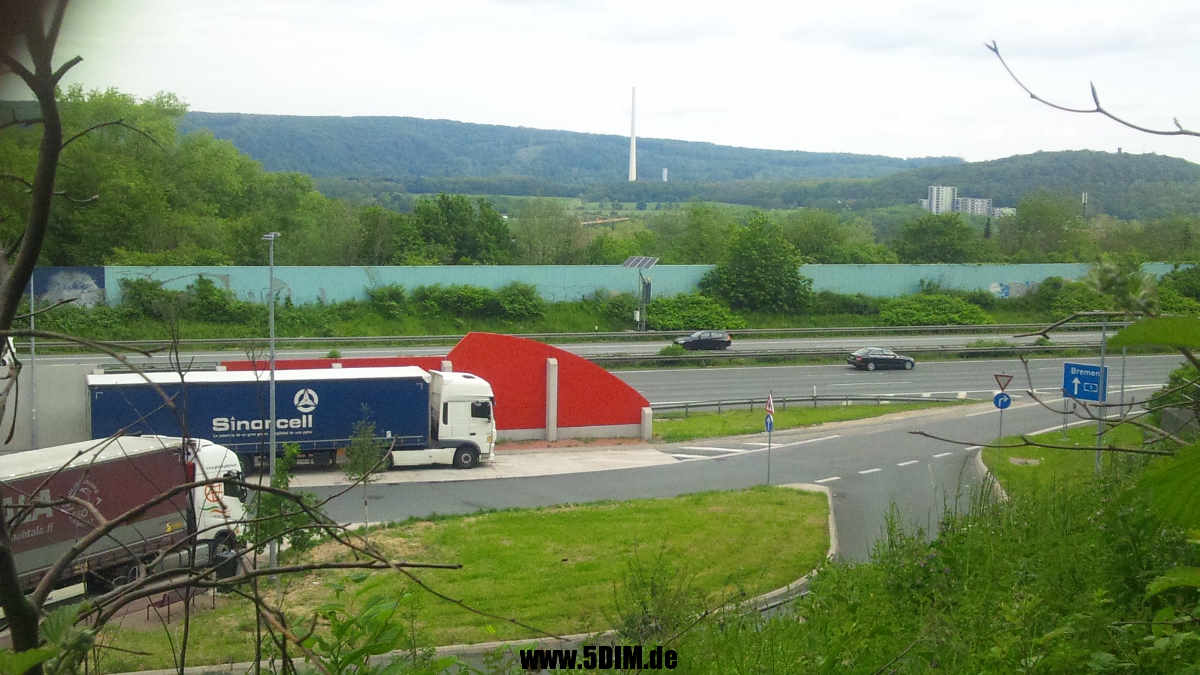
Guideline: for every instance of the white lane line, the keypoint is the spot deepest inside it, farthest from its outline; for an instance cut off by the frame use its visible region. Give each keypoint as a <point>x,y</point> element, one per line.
<point>942,454</point>
<point>700,447</point>
<point>911,461</point>
<point>867,471</point>
<point>676,456</point>
<point>972,447</point>
<point>762,444</point>
<point>811,440</point>
<point>859,384</point>
<point>828,480</point>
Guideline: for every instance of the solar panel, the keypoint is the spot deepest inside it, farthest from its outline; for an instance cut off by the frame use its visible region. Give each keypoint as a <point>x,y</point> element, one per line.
<point>640,262</point>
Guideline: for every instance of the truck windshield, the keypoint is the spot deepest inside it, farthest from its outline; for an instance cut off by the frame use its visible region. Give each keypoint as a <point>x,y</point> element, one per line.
<point>481,409</point>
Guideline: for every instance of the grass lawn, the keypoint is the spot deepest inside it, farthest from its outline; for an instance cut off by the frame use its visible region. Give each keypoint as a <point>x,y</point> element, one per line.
<point>554,568</point>
<point>1031,467</point>
<point>674,427</point>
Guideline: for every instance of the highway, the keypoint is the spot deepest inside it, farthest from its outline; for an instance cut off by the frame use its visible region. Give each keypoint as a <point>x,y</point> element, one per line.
<point>869,465</point>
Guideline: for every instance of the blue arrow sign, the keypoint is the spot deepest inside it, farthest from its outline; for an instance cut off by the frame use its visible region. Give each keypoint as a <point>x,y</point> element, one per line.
<point>1002,400</point>
<point>770,423</point>
<point>1085,382</point>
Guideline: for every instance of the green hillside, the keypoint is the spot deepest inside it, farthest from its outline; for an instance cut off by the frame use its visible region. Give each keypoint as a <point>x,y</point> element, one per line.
<point>411,148</point>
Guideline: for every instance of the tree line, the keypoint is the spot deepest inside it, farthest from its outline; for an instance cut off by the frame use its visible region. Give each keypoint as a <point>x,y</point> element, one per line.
<point>191,199</point>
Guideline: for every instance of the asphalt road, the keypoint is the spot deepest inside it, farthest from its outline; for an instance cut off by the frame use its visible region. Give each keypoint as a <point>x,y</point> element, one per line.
<point>869,465</point>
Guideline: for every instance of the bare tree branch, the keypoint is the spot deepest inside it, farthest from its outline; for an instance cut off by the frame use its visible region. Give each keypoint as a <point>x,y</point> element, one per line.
<point>117,123</point>
<point>1097,109</point>
<point>1026,443</point>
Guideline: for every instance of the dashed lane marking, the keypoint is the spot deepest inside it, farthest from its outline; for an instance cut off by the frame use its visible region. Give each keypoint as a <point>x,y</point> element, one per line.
<point>942,454</point>
<point>678,456</point>
<point>828,480</point>
<point>867,471</point>
<point>911,461</point>
<point>701,447</point>
<point>810,440</point>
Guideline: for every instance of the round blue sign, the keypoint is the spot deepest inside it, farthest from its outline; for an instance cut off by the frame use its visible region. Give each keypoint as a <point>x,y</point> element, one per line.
<point>1002,400</point>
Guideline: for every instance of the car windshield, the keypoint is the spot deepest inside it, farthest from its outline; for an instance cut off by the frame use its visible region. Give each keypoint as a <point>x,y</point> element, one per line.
<point>862,351</point>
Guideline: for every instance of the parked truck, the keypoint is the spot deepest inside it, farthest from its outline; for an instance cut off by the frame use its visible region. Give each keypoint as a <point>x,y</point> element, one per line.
<point>115,475</point>
<point>423,417</point>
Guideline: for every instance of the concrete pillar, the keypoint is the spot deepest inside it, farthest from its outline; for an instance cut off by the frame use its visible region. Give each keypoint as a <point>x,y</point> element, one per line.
<point>447,366</point>
<point>552,399</point>
<point>647,423</point>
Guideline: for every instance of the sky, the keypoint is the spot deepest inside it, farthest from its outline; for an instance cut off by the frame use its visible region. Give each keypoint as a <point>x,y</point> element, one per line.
<point>872,77</point>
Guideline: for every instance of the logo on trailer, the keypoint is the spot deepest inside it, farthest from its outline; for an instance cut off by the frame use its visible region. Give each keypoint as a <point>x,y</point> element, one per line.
<point>306,400</point>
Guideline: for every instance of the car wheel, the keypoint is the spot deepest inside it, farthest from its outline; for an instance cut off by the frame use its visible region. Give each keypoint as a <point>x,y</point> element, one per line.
<point>908,365</point>
<point>870,365</point>
<point>465,458</point>
<point>725,346</point>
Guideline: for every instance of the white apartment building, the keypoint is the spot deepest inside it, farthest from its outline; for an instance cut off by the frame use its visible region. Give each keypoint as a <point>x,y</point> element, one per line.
<point>975,206</point>
<point>941,198</point>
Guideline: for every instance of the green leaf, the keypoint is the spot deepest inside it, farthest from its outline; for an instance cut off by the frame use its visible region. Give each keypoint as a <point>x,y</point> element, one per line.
<point>1179,577</point>
<point>1172,331</point>
<point>15,663</point>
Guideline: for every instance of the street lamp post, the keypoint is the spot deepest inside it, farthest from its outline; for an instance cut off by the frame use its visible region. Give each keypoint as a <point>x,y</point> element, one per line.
<point>270,237</point>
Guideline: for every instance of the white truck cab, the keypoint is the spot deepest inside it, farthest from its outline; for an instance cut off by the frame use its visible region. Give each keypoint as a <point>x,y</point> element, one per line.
<point>462,422</point>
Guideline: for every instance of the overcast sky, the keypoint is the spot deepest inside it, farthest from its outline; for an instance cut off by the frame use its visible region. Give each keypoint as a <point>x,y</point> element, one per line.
<point>889,78</point>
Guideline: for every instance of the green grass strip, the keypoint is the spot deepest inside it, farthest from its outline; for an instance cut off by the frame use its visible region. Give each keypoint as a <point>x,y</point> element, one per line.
<point>555,568</point>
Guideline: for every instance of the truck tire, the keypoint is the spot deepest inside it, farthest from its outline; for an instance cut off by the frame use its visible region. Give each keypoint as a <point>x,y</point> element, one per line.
<point>466,457</point>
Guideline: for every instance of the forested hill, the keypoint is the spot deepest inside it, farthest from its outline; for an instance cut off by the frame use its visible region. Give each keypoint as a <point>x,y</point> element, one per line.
<point>408,148</point>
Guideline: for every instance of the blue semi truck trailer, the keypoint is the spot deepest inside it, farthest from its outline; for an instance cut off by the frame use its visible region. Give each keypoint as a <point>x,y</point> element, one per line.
<point>424,417</point>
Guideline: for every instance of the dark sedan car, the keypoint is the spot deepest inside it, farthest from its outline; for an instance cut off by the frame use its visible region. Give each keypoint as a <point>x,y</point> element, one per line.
<point>705,339</point>
<point>870,358</point>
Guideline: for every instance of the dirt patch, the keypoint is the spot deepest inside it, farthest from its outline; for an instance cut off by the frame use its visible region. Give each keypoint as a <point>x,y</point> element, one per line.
<point>1024,461</point>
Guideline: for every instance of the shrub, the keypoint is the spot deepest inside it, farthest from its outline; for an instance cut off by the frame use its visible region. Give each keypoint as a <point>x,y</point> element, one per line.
<point>389,300</point>
<point>828,302</point>
<point>690,312</point>
<point>1171,301</point>
<point>520,302</point>
<point>205,301</point>
<point>148,298</point>
<point>617,307</point>
<point>456,301</point>
<point>1186,281</point>
<point>931,310</point>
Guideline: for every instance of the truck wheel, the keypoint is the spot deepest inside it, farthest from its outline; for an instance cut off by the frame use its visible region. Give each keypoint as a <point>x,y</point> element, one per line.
<point>465,458</point>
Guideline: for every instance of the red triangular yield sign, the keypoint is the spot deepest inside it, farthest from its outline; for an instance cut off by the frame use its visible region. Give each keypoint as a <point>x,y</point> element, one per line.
<point>1002,380</point>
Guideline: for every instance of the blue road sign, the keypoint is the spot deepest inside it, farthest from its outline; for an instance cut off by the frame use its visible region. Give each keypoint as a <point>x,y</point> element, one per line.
<point>1002,400</point>
<point>770,423</point>
<point>1085,382</point>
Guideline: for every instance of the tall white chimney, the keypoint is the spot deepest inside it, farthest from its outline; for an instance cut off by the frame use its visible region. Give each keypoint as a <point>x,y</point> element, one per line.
<point>633,137</point>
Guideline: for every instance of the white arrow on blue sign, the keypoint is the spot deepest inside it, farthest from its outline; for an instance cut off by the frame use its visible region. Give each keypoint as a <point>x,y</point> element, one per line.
<point>1002,400</point>
<point>1085,382</point>
<point>770,422</point>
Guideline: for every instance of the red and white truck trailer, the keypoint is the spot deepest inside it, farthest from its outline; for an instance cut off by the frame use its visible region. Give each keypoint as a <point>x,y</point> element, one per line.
<point>113,476</point>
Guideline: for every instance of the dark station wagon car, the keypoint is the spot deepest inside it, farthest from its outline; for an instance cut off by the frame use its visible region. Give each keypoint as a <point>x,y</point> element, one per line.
<point>705,339</point>
<point>870,358</point>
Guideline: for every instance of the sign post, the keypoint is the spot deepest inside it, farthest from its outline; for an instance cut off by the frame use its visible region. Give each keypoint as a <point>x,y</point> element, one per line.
<point>1085,382</point>
<point>770,424</point>
<point>1002,400</point>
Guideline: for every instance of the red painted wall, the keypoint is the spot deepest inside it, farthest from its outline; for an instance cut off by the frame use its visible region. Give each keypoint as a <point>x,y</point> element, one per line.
<point>588,395</point>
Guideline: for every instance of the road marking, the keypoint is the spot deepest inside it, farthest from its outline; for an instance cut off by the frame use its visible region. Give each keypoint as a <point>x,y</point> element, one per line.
<point>690,456</point>
<point>866,471</point>
<point>859,384</point>
<point>972,447</point>
<point>762,444</point>
<point>699,447</point>
<point>811,440</point>
<point>911,461</point>
<point>828,480</point>
<point>942,454</point>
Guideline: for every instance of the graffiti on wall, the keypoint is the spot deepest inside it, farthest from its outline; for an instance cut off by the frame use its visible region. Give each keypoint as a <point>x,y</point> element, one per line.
<point>1012,289</point>
<point>83,285</point>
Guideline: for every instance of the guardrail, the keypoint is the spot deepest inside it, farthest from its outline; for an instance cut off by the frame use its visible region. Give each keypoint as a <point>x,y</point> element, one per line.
<point>781,402</point>
<point>646,335</point>
<point>795,353</point>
